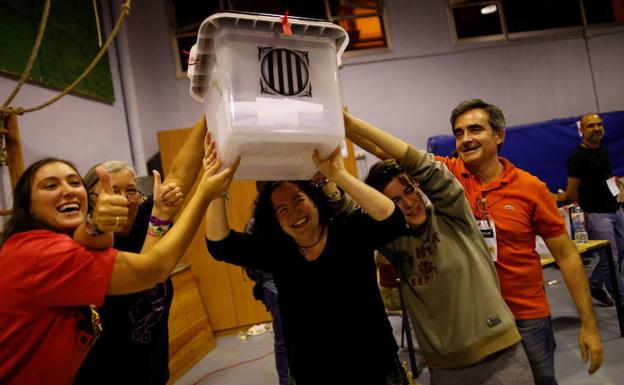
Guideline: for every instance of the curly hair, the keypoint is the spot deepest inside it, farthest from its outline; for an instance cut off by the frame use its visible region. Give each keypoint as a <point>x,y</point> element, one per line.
<point>22,220</point>
<point>266,224</point>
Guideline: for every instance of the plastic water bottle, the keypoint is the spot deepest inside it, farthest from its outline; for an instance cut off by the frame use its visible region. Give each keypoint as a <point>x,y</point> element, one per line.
<point>578,223</point>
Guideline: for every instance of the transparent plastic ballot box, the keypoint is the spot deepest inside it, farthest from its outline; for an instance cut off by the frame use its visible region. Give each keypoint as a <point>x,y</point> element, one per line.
<point>269,97</point>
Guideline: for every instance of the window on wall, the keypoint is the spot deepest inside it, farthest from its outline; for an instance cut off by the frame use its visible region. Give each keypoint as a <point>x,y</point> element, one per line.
<point>362,19</point>
<point>472,20</point>
<point>508,19</point>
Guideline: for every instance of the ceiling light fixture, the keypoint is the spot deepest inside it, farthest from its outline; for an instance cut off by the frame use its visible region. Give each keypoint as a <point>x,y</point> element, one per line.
<point>488,9</point>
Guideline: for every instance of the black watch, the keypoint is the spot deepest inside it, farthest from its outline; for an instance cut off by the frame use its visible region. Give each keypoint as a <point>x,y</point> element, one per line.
<point>91,227</point>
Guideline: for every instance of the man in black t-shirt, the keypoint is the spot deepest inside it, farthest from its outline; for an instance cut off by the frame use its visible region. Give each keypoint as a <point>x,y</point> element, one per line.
<point>589,169</point>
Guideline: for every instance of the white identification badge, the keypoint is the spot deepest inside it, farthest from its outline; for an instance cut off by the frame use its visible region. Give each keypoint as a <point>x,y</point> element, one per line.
<point>613,187</point>
<point>488,230</point>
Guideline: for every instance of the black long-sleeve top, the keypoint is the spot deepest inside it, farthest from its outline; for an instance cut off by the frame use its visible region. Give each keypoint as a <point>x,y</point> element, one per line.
<point>333,317</point>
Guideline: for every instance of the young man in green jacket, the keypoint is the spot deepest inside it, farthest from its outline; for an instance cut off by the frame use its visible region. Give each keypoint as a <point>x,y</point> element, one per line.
<point>463,326</point>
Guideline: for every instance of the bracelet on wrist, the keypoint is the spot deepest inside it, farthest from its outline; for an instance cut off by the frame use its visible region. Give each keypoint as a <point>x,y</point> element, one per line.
<point>335,195</point>
<point>160,222</point>
<point>152,233</point>
<point>91,227</point>
<point>154,230</point>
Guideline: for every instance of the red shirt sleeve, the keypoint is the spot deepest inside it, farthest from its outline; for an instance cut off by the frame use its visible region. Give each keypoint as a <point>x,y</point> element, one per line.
<point>64,273</point>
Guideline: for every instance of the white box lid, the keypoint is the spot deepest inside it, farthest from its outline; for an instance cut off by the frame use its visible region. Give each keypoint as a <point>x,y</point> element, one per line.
<point>202,52</point>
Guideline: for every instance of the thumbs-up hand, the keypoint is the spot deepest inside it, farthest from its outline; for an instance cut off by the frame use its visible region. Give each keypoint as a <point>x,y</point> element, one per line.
<point>168,198</point>
<point>111,210</point>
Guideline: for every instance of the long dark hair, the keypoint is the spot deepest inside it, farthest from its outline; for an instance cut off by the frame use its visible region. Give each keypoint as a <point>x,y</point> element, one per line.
<point>266,224</point>
<point>22,219</point>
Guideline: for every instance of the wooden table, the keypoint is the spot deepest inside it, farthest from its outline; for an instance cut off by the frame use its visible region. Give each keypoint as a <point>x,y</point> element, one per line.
<point>585,249</point>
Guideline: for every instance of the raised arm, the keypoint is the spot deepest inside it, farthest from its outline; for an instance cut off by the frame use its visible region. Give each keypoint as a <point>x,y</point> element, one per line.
<point>217,226</point>
<point>169,195</point>
<point>167,201</point>
<point>135,272</point>
<point>373,139</point>
<point>367,145</point>
<point>435,180</point>
<point>186,165</point>
<point>377,205</point>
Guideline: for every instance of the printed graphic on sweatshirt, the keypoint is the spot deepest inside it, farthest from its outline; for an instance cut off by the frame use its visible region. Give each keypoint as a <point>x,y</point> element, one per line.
<point>421,265</point>
<point>146,312</point>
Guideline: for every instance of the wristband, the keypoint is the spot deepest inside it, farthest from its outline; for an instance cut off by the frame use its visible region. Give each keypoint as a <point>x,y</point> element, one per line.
<point>91,227</point>
<point>335,195</point>
<point>321,181</point>
<point>157,230</point>
<point>160,222</point>
<point>152,233</point>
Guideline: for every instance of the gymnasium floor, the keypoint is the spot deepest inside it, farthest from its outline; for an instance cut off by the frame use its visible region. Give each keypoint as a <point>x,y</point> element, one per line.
<point>251,361</point>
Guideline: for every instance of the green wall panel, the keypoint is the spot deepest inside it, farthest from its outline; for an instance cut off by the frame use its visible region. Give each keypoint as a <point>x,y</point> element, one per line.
<point>69,45</point>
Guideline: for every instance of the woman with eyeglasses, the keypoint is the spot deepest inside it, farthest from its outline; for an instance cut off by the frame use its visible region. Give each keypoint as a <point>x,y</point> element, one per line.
<point>53,265</point>
<point>135,337</point>
<point>335,326</point>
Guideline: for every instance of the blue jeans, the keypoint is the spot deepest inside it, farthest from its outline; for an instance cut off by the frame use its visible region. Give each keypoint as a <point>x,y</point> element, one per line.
<point>281,359</point>
<point>609,226</point>
<point>539,344</point>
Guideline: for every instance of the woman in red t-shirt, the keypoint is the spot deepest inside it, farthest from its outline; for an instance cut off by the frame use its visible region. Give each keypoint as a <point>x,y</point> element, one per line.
<point>56,261</point>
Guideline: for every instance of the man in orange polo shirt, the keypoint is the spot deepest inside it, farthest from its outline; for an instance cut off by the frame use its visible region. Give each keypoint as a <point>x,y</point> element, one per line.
<point>512,207</point>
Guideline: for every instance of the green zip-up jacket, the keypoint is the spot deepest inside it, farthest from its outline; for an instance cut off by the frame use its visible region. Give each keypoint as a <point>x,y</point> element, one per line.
<point>448,279</point>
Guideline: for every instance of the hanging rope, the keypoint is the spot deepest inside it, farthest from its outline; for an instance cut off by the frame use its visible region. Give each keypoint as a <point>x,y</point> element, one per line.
<point>6,111</point>
<point>97,23</point>
<point>125,10</point>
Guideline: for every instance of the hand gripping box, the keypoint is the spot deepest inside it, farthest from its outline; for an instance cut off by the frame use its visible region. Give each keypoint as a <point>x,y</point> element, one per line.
<point>269,97</point>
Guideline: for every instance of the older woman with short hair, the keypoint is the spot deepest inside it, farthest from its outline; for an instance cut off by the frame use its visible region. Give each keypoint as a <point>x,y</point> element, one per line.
<point>135,339</point>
